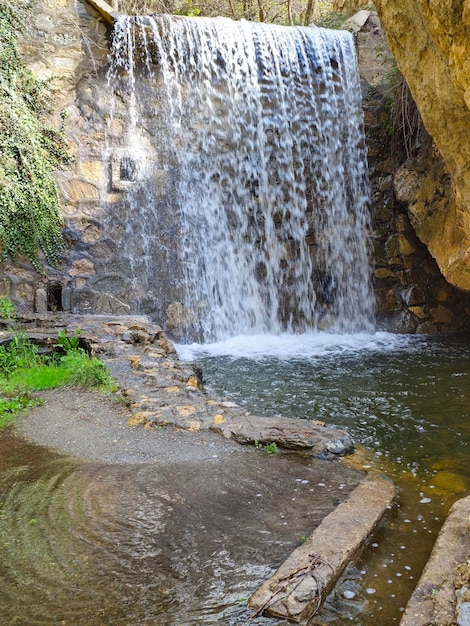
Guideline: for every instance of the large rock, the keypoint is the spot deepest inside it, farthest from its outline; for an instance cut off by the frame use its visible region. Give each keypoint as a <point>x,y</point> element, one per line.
<point>312,436</point>
<point>430,40</point>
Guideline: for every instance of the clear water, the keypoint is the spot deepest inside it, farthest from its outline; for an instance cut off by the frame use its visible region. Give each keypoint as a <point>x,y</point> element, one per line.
<point>405,398</point>
<point>180,544</point>
<point>185,544</point>
<point>260,134</point>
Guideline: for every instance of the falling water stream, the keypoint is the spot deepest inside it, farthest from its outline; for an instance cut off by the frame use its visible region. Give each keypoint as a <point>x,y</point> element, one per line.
<point>264,142</point>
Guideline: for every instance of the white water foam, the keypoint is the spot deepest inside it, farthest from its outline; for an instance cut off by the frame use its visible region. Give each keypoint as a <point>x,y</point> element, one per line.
<point>292,347</point>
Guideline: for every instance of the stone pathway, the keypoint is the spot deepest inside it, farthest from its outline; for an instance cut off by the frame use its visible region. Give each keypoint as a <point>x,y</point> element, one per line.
<point>162,390</point>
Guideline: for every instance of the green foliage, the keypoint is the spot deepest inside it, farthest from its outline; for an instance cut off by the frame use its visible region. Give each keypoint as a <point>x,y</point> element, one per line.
<point>29,201</point>
<point>19,353</point>
<point>87,372</point>
<point>7,308</point>
<point>271,449</point>
<point>68,343</point>
<point>23,369</point>
<point>326,17</point>
<point>320,12</point>
<point>188,9</point>
<point>83,371</point>
<point>12,406</point>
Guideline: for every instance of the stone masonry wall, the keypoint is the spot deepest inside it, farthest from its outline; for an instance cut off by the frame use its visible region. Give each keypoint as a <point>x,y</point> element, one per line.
<point>107,240</point>
<point>104,204</point>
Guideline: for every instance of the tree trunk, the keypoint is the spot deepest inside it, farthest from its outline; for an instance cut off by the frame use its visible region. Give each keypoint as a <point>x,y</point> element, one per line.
<point>310,10</point>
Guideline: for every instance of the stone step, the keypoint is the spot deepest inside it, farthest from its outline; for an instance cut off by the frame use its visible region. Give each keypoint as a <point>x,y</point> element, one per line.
<point>297,590</point>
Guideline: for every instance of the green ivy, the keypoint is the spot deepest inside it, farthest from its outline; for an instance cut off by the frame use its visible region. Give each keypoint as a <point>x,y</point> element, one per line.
<point>30,217</point>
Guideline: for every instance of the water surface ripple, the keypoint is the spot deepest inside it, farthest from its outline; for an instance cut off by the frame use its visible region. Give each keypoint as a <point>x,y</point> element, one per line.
<point>158,544</point>
<point>405,398</point>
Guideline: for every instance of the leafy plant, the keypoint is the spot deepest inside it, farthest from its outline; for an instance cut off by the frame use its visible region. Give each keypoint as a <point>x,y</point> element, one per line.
<point>7,308</point>
<point>69,343</point>
<point>272,449</point>
<point>29,201</point>
<point>20,352</point>
<point>12,406</point>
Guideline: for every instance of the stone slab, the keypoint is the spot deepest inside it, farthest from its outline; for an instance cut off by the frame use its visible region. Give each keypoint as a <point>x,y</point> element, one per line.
<point>105,10</point>
<point>288,433</point>
<point>434,600</point>
<point>299,587</point>
<point>357,21</point>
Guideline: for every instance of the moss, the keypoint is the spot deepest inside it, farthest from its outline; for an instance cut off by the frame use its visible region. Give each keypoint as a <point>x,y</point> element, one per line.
<point>29,201</point>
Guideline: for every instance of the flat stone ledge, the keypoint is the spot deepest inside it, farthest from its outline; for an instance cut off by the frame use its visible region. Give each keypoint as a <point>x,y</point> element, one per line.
<point>105,10</point>
<point>164,391</point>
<point>299,587</point>
<point>434,600</point>
<point>310,436</point>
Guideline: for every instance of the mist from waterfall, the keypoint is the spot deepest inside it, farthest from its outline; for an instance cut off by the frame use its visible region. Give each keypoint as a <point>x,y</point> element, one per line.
<point>263,139</point>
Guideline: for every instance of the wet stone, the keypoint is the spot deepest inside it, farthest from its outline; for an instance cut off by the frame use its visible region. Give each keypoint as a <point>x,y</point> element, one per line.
<point>165,390</point>
<point>301,584</point>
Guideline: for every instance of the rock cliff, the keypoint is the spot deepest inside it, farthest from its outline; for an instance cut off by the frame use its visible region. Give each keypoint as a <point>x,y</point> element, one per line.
<point>430,40</point>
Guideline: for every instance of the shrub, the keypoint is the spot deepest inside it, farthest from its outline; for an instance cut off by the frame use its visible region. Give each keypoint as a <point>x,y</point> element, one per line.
<point>7,308</point>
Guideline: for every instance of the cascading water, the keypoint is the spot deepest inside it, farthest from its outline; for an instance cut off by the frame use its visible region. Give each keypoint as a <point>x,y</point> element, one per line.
<point>263,140</point>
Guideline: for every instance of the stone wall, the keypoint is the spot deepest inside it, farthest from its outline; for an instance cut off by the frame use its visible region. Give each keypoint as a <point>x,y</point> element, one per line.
<point>107,241</point>
<point>65,44</point>
<point>107,231</point>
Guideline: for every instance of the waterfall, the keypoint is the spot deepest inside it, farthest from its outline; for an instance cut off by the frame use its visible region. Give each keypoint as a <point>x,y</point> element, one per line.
<point>261,145</point>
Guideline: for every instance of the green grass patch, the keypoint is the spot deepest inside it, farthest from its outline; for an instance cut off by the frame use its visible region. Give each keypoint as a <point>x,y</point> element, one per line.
<point>11,407</point>
<point>86,372</point>
<point>24,370</point>
<point>37,378</point>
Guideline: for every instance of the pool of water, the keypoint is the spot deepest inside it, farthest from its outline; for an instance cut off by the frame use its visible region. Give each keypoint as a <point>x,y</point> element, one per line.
<point>406,399</point>
<point>161,544</point>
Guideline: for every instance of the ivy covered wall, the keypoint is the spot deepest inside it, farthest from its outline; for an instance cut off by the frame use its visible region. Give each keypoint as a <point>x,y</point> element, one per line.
<point>30,218</point>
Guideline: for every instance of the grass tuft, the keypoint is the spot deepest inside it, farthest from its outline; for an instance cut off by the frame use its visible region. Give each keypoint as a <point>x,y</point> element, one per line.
<point>23,370</point>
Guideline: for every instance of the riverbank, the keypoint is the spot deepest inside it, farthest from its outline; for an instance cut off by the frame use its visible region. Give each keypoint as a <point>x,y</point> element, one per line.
<point>159,390</point>
<point>164,418</point>
<point>146,429</point>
